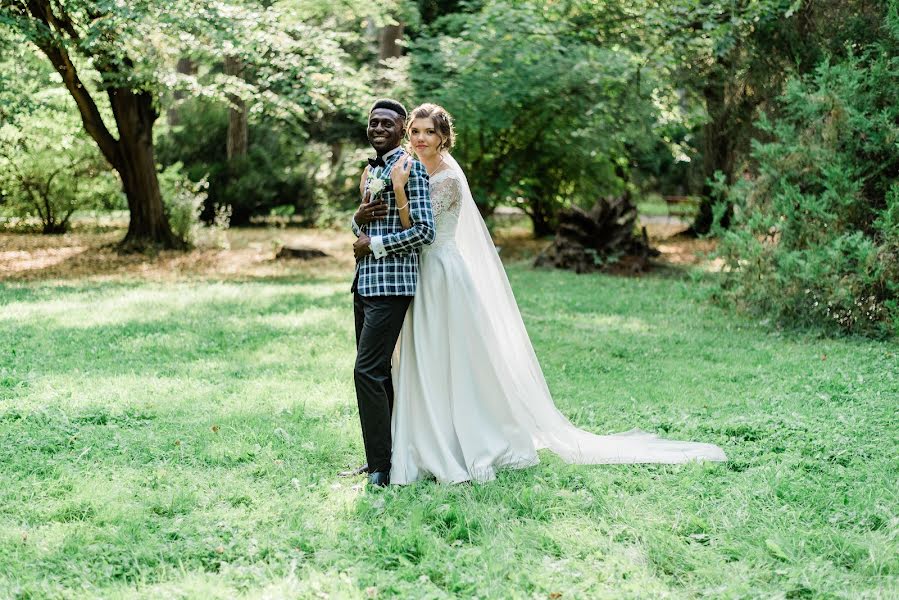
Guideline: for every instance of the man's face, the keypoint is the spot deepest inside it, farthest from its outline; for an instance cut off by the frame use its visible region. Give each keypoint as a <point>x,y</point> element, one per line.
<point>385,129</point>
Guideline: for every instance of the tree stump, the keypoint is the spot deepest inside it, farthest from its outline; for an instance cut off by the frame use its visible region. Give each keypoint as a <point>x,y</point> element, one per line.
<point>601,239</point>
<point>300,253</point>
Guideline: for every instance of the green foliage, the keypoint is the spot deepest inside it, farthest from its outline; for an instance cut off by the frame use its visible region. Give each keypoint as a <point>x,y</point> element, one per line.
<point>545,118</point>
<point>271,174</point>
<point>23,77</point>
<point>816,241</point>
<point>195,454</point>
<point>49,169</point>
<point>278,173</point>
<point>184,202</point>
<point>730,59</point>
<point>306,84</point>
<point>288,72</point>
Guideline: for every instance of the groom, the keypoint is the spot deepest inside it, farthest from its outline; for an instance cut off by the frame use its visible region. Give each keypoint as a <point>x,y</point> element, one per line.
<point>386,276</point>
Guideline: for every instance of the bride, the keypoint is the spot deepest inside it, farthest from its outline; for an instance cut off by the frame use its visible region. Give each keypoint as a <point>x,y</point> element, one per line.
<point>470,394</point>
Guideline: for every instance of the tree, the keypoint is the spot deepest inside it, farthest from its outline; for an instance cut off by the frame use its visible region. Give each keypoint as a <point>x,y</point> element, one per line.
<point>547,110</point>
<point>733,58</point>
<point>238,119</point>
<point>278,69</point>
<point>815,239</point>
<point>78,37</point>
<point>49,169</point>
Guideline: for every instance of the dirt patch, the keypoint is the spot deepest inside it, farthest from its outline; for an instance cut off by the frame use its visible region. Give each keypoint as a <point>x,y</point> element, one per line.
<point>666,235</point>
<point>92,256</point>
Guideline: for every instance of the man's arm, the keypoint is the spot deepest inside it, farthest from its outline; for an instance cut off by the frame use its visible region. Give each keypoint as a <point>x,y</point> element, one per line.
<point>422,230</point>
<point>368,211</point>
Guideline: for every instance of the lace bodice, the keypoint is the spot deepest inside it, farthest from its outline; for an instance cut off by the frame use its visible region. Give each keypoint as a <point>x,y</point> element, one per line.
<point>446,195</point>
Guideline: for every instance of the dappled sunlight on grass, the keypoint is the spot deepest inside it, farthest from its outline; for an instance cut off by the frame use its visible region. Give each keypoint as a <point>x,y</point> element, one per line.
<point>580,322</point>
<point>16,261</point>
<point>85,256</point>
<point>147,304</point>
<point>315,318</point>
<point>184,439</point>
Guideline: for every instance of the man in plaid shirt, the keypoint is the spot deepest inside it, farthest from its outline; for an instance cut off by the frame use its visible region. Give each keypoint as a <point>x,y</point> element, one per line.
<point>386,277</point>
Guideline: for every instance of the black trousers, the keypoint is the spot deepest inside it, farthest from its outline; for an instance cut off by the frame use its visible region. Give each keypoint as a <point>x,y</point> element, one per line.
<point>379,320</point>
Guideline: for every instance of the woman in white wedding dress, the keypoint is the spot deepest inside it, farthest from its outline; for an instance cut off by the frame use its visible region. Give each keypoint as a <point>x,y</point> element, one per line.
<point>470,397</point>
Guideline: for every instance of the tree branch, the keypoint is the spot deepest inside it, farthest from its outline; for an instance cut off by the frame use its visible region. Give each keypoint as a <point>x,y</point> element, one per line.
<point>41,11</point>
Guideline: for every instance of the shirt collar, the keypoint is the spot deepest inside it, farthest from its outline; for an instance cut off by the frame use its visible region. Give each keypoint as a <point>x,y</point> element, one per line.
<point>387,155</point>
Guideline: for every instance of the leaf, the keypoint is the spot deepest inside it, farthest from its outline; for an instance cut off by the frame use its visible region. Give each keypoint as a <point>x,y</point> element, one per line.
<point>776,550</point>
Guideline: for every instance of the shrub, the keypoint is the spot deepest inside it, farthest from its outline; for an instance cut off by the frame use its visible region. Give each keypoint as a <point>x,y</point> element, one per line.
<point>545,117</point>
<point>270,175</point>
<point>184,201</point>
<point>815,240</point>
<point>49,170</point>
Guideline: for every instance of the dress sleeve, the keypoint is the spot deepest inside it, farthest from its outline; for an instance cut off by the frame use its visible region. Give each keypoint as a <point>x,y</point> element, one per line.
<point>446,195</point>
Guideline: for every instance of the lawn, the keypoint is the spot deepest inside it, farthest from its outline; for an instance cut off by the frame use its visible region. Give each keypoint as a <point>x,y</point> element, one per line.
<point>180,437</point>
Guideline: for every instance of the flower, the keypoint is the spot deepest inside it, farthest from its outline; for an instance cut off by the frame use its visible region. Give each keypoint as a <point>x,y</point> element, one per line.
<point>376,186</point>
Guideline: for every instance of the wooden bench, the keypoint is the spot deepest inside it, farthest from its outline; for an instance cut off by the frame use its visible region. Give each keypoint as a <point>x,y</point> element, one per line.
<point>681,206</point>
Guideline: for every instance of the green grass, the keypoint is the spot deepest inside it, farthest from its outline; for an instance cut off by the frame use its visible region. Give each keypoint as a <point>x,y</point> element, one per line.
<point>182,439</point>
<point>653,205</point>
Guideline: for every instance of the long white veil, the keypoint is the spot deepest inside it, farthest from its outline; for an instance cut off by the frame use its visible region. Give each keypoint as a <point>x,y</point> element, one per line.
<point>528,393</point>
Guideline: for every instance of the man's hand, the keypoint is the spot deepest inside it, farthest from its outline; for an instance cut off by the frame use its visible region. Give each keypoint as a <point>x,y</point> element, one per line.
<point>362,246</point>
<point>370,210</point>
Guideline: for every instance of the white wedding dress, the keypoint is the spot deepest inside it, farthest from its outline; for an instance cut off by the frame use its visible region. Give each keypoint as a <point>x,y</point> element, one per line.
<point>470,397</point>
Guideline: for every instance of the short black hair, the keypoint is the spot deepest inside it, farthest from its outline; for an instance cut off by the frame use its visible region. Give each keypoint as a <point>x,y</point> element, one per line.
<point>390,104</point>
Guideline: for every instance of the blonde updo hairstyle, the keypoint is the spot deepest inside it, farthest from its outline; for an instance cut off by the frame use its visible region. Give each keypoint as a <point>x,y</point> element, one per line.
<point>443,123</point>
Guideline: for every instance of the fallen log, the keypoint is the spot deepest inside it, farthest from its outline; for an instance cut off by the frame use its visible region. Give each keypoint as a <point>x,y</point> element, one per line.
<point>300,253</point>
<point>605,238</point>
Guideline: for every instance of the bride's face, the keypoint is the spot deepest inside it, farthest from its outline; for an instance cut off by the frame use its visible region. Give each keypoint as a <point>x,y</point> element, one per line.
<point>424,138</point>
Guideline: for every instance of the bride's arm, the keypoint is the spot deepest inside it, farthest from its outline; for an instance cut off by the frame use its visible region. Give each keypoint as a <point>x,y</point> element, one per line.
<point>362,182</point>
<point>402,205</point>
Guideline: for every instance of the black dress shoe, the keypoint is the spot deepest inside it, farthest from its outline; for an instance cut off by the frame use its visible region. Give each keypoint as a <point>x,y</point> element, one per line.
<point>379,479</point>
<point>354,472</point>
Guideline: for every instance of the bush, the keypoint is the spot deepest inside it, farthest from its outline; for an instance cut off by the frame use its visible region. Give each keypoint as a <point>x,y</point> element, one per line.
<point>49,170</point>
<point>184,201</point>
<point>815,240</point>
<point>539,108</point>
<point>269,175</point>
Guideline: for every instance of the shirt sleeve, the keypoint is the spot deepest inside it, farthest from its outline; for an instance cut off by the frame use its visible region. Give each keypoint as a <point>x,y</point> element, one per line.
<point>422,230</point>
<point>377,247</point>
<point>357,231</point>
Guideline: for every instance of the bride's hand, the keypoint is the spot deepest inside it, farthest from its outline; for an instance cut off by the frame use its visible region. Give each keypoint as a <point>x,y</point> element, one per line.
<point>362,182</point>
<point>399,174</point>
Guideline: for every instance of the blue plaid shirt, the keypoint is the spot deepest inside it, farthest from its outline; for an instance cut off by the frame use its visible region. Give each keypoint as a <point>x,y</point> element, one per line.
<point>397,273</point>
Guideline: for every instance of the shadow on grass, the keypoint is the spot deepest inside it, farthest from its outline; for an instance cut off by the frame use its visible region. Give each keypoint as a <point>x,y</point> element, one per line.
<point>144,338</point>
<point>112,492</point>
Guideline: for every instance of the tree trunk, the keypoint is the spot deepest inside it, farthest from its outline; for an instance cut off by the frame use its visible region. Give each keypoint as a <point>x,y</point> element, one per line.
<point>185,66</point>
<point>388,41</point>
<point>543,220</point>
<point>719,147</point>
<point>540,221</point>
<point>132,153</point>
<point>136,164</point>
<point>719,155</point>
<point>54,228</point>
<point>238,123</point>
